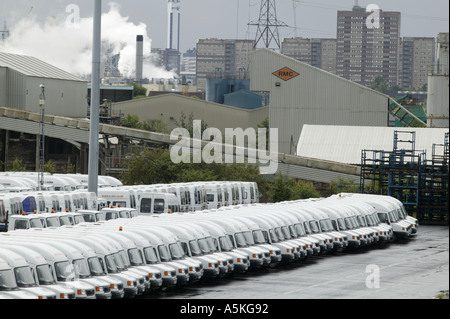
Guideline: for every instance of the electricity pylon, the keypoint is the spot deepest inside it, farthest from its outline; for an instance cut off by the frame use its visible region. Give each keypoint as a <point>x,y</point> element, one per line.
<point>268,24</point>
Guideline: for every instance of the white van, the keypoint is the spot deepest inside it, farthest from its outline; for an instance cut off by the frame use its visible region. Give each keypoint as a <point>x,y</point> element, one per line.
<point>157,203</point>
<point>23,275</point>
<point>116,197</point>
<point>61,268</point>
<point>23,222</point>
<point>41,271</point>
<point>8,284</point>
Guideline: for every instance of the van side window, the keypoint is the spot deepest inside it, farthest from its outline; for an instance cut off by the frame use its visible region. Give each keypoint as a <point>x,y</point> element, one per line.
<point>158,207</point>
<point>146,205</point>
<point>21,224</point>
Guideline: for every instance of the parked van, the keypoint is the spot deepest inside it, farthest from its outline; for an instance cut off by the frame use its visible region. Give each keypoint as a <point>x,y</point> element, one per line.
<point>41,271</point>
<point>236,235</point>
<point>23,275</point>
<point>8,284</point>
<point>116,197</point>
<point>167,277</point>
<point>23,222</point>
<point>10,204</point>
<point>62,269</point>
<point>169,249</point>
<point>157,203</point>
<point>196,246</point>
<point>91,216</point>
<point>129,252</point>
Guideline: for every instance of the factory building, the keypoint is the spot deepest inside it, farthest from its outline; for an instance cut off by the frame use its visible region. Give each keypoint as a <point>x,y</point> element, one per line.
<point>20,80</point>
<point>170,107</point>
<point>299,94</point>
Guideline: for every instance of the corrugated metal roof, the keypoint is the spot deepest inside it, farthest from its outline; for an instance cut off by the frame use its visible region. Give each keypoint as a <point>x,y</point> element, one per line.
<point>344,144</point>
<point>31,66</point>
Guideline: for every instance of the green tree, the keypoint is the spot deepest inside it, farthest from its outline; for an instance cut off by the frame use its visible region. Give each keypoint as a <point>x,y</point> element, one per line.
<point>139,91</point>
<point>50,167</point>
<point>131,121</point>
<point>154,125</point>
<point>18,166</point>
<point>188,123</point>
<point>280,190</point>
<point>344,186</point>
<point>303,190</point>
<point>379,84</point>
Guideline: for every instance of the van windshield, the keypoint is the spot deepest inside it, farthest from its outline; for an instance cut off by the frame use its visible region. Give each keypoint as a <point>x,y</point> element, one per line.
<point>124,214</point>
<point>7,281</point>
<point>225,243</point>
<point>135,257</point>
<point>21,224</point>
<point>203,244</point>
<point>44,275</point>
<point>176,251</point>
<point>52,222</point>
<point>314,226</point>
<point>24,277</point>
<point>164,253</point>
<point>240,240</point>
<point>249,238</point>
<point>64,220</point>
<point>307,228</point>
<point>341,224</point>
<point>64,271</point>
<point>362,221</point>
<point>95,267</point>
<point>89,218</point>
<point>212,245</point>
<point>81,268</point>
<point>195,249</point>
<point>279,233</point>
<point>286,233</point>
<point>273,236</point>
<point>259,237</point>
<point>111,264</point>
<point>150,255</point>
<point>35,223</point>
<point>300,229</point>
<point>120,261</point>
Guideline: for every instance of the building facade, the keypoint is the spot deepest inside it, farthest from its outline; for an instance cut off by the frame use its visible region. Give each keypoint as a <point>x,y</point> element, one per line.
<point>320,53</point>
<point>365,50</point>
<point>417,56</point>
<point>300,94</point>
<point>222,58</point>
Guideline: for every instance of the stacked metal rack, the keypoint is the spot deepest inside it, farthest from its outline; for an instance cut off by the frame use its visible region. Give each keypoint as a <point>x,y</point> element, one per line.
<point>433,190</point>
<point>406,174</point>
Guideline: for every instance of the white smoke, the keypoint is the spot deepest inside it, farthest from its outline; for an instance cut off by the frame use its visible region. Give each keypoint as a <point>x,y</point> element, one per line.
<point>69,45</point>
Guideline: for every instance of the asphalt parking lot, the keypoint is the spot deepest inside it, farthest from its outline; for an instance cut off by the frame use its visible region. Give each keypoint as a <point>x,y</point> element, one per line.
<point>416,268</point>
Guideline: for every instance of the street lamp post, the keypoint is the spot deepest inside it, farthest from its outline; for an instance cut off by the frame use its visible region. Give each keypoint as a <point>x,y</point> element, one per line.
<point>95,101</point>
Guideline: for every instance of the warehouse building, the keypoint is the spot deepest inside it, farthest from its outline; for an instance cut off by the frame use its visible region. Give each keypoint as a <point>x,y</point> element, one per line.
<point>170,107</point>
<point>300,94</point>
<point>343,144</point>
<point>20,80</point>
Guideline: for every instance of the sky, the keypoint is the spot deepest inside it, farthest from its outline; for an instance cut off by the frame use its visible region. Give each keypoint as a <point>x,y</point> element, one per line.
<point>50,29</point>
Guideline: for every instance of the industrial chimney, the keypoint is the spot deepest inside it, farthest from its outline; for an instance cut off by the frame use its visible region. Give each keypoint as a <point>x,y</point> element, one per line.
<point>139,59</point>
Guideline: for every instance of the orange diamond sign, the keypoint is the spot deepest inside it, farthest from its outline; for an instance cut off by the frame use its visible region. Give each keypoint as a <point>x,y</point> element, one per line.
<point>286,74</point>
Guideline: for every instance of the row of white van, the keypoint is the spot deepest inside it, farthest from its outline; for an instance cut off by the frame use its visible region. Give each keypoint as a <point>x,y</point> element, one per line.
<point>28,181</point>
<point>190,197</point>
<point>12,204</point>
<point>126,257</point>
